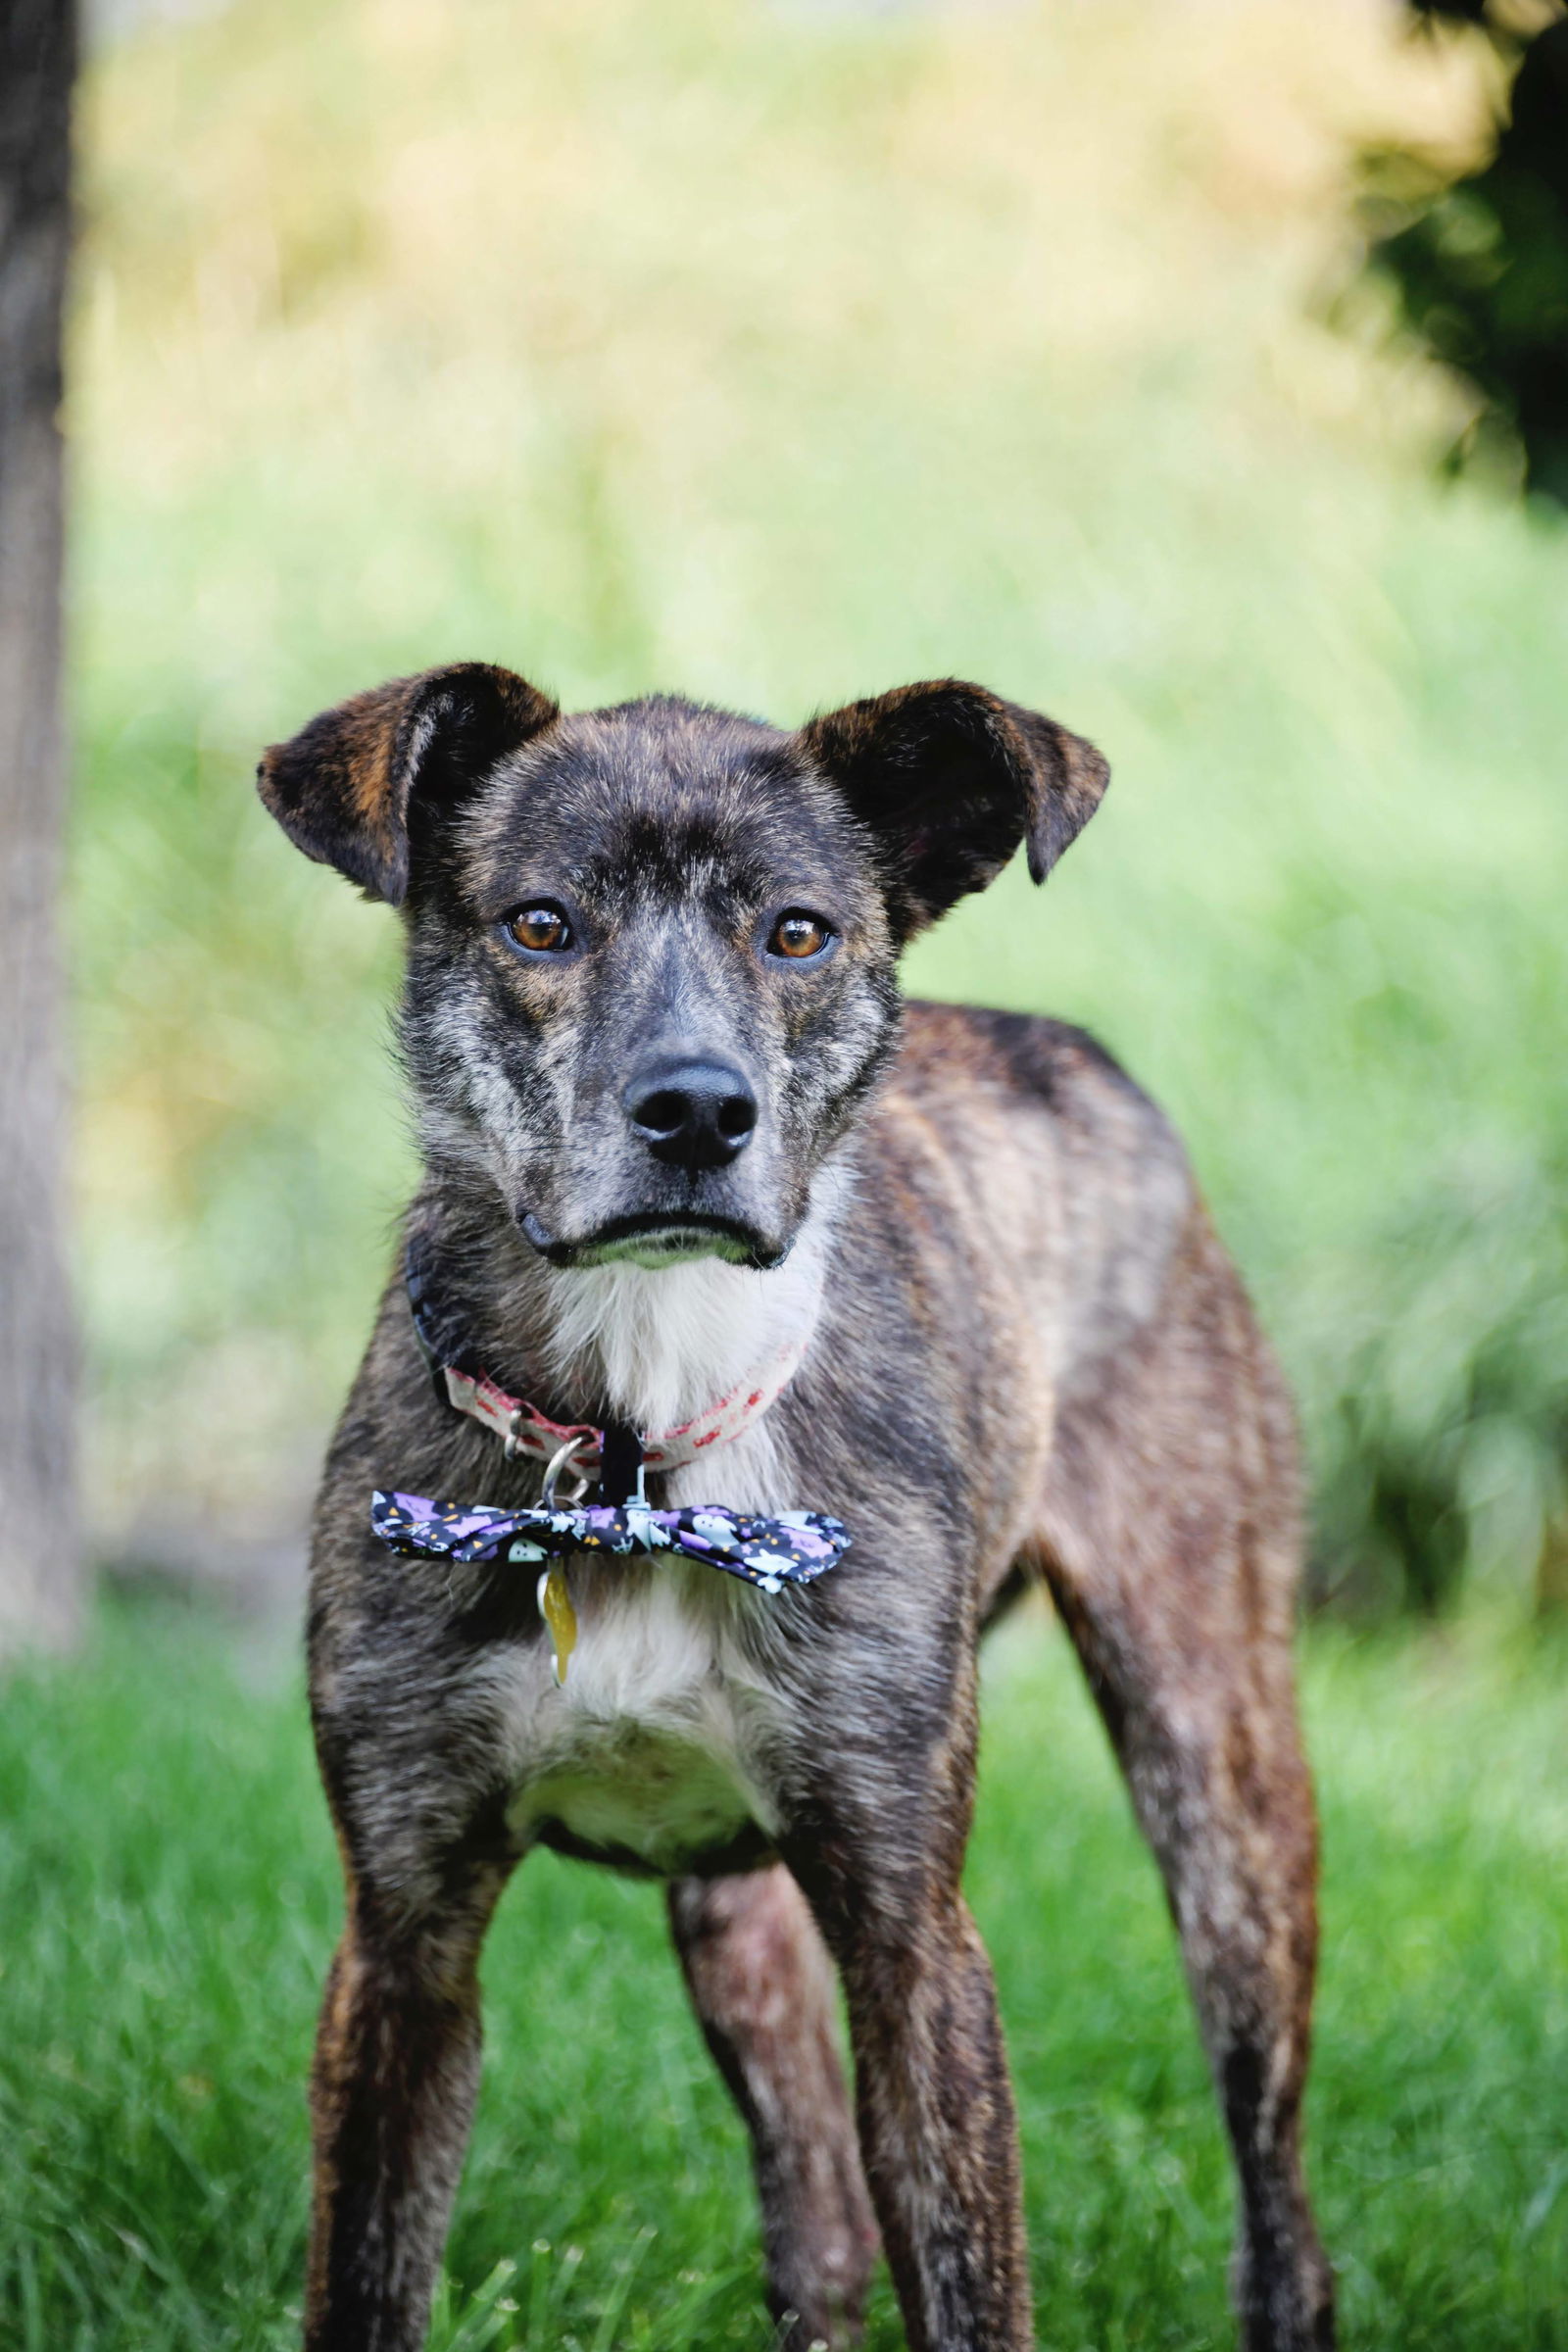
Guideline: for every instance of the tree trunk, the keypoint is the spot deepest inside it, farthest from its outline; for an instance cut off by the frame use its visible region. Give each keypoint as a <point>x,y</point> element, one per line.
<point>40,1564</point>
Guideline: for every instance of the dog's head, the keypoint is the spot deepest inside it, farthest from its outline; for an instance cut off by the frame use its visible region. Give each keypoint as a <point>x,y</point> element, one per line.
<point>652,950</point>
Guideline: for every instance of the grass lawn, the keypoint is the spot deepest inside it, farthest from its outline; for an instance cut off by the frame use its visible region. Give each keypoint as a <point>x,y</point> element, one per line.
<point>170,1895</point>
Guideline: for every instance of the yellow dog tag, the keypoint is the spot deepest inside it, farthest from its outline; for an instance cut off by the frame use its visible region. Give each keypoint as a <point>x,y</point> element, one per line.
<point>561,1618</point>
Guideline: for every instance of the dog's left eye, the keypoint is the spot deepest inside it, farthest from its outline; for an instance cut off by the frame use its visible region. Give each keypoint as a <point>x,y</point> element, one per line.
<point>542,929</point>
<point>799,934</point>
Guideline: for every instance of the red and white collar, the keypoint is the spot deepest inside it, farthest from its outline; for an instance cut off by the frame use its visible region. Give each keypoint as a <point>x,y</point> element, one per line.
<point>525,1430</point>
<point>576,1446</point>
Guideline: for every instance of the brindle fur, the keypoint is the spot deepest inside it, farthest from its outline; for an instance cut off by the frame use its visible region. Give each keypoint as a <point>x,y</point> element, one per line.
<point>1029,1355</point>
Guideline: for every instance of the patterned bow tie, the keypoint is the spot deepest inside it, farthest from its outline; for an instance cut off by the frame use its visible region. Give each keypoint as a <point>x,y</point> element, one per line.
<point>789,1550</point>
<point>770,1553</point>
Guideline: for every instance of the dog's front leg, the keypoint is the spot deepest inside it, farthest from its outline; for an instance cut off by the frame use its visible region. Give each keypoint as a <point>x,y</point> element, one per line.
<point>937,2131</point>
<point>392,2094</point>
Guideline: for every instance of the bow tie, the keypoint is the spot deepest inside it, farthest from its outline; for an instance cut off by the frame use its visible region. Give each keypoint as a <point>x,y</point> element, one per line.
<point>770,1553</point>
<point>789,1550</point>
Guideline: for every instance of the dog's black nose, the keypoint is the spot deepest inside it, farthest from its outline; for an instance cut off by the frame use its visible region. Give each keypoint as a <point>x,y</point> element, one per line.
<point>693,1115</point>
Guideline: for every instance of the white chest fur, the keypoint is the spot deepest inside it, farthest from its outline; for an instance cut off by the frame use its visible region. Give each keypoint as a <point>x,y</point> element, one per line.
<point>660,1742</point>
<point>657,1744</point>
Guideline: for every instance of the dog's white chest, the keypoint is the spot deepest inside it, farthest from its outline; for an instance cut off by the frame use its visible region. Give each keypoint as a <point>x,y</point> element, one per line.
<point>660,1742</point>
<point>653,1746</point>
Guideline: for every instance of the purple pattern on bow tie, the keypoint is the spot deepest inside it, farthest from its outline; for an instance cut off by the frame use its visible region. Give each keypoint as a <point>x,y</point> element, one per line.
<point>789,1550</point>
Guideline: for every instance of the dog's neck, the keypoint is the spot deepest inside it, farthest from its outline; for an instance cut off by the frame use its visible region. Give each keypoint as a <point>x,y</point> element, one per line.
<point>651,1346</point>
<point>661,1344</point>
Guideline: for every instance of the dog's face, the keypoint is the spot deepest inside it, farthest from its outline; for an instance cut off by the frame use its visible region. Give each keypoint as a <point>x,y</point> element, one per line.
<point>651,975</point>
<point>652,950</point>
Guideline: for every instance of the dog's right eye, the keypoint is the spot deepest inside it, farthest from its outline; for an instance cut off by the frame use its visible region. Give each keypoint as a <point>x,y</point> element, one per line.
<point>543,929</point>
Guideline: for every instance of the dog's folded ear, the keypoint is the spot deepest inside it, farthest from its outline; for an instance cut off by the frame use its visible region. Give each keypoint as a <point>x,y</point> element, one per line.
<point>950,779</point>
<point>347,788</point>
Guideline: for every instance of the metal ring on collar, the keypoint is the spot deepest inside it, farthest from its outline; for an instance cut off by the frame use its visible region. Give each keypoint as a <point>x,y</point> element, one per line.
<point>557,1461</point>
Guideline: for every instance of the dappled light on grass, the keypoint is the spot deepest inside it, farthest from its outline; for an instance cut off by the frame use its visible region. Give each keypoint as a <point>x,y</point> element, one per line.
<point>162,1834</point>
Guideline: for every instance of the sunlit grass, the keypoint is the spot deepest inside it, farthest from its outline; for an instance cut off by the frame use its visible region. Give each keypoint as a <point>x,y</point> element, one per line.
<point>169,1886</point>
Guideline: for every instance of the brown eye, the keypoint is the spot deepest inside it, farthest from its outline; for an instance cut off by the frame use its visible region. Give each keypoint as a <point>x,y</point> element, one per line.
<point>798,934</point>
<point>543,929</point>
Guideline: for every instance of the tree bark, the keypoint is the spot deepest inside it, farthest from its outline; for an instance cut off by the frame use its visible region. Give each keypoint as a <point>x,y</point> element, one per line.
<point>40,1555</point>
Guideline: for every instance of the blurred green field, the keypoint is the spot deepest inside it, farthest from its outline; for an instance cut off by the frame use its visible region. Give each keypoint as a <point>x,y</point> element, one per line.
<point>777,355</point>
<point>160,1829</point>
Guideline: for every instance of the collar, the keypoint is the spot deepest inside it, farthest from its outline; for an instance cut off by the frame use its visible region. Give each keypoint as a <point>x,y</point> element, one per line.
<point>793,1549</point>
<point>581,1446</point>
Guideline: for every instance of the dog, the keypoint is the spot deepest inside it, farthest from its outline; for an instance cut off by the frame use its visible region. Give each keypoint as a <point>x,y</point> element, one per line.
<point>706,1210</point>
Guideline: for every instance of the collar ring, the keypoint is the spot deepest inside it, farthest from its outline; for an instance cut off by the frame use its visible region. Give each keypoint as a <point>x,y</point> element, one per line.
<point>557,1464</point>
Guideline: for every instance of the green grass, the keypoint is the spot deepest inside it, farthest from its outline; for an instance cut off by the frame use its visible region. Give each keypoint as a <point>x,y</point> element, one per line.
<point>169,1889</point>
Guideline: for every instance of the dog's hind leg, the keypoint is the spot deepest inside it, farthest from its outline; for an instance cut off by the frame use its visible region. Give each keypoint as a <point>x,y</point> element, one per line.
<point>1228,1816</point>
<point>761,1984</point>
<point>1170,1541</point>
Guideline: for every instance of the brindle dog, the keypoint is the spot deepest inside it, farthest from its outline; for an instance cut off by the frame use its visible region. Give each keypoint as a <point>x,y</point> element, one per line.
<point>673,1118</point>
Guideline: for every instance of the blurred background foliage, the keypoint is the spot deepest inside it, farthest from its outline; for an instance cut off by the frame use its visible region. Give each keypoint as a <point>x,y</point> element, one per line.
<point>779,355</point>
<point>1474,247</point>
